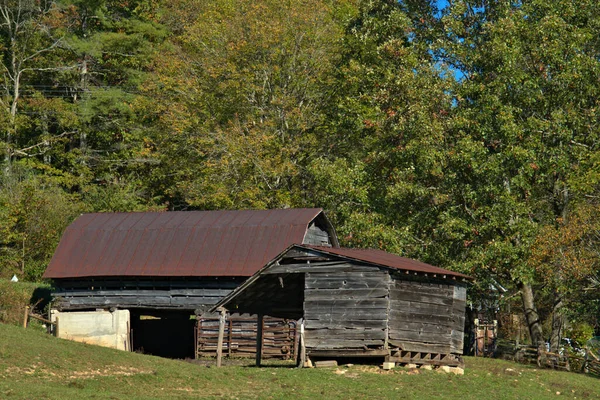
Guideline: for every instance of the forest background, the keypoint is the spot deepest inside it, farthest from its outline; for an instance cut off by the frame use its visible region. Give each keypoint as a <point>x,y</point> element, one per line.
<point>464,134</point>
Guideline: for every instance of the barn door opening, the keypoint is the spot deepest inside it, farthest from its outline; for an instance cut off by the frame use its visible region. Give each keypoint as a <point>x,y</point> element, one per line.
<point>169,335</point>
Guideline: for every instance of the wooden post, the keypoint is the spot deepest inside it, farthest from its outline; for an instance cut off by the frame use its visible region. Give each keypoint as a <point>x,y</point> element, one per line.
<point>229,337</point>
<point>26,317</point>
<point>222,312</point>
<point>259,338</point>
<point>296,339</point>
<point>196,339</point>
<point>302,346</point>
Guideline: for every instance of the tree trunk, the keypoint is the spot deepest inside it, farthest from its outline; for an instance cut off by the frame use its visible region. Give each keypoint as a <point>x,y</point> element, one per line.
<point>531,315</point>
<point>557,324</point>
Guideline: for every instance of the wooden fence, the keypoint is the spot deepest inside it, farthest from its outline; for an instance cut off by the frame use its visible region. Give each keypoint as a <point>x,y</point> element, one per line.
<point>587,363</point>
<point>279,337</point>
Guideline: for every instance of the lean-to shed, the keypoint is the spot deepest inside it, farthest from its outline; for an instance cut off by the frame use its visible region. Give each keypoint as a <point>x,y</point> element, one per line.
<point>360,303</point>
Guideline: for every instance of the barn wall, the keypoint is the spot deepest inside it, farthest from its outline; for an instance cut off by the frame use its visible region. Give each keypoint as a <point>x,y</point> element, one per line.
<point>190,294</point>
<point>427,317</point>
<point>346,309</point>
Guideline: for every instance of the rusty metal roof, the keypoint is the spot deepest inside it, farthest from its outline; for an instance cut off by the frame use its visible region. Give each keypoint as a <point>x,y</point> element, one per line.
<point>389,260</point>
<point>178,243</point>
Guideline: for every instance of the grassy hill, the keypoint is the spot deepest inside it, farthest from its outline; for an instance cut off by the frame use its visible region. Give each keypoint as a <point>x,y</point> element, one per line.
<point>34,365</point>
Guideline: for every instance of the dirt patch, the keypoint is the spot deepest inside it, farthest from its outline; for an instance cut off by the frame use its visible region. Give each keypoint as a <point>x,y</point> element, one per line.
<point>41,370</point>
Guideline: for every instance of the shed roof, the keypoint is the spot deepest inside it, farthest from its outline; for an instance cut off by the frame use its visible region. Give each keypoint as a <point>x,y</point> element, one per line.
<point>179,243</point>
<point>253,289</point>
<point>389,260</point>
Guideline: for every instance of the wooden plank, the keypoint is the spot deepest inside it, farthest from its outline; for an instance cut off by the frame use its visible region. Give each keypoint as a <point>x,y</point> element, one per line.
<point>123,283</point>
<point>344,324</point>
<point>345,283</point>
<point>317,343</point>
<point>422,290</point>
<point>156,300</point>
<point>420,327</point>
<point>145,292</point>
<point>345,293</point>
<point>349,353</point>
<point>316,305</point>
<point>417,336</point>
<point>353,314</point>
<point>345,334</point>
<point>420,308</point>
<point>372,274</point>
<point>194,300</point>
<point>440,299</point>
<point>400,316</point>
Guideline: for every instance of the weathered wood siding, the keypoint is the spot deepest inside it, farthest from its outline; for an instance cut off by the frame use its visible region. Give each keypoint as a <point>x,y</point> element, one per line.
<point>317,236</point>
<point>346,308</point>
<point>427,317</point>
<point>184,295</point>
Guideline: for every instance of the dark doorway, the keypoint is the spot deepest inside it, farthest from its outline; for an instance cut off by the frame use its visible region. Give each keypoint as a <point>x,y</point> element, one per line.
<point>169,335</point>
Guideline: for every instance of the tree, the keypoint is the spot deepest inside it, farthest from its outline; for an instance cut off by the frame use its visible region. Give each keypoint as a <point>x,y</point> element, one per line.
<point>524,126</point>
<point>34,211</point>
<point>381,159</point>
<point>244,102</point>
<point>29,34</point>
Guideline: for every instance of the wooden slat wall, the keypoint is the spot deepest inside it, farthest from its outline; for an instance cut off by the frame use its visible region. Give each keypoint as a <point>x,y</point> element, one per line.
<point>346,309</point>
<point>164,295</point>
<point>427,317</point>
<point>279,336</point>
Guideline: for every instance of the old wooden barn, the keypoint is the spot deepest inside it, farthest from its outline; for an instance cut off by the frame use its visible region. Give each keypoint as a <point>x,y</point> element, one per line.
<point>134,280</point>
<point>361,303</point>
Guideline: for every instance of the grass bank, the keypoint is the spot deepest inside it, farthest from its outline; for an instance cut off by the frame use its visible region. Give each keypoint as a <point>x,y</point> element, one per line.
<point>34,365</point>
<point>15,296</point>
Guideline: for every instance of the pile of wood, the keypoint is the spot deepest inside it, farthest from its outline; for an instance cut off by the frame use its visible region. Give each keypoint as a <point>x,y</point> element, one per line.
<point>239,337</point>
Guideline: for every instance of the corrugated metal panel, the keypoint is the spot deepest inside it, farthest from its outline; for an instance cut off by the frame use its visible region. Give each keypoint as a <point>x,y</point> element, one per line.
<point>180,243</point>
<point>385,259</point>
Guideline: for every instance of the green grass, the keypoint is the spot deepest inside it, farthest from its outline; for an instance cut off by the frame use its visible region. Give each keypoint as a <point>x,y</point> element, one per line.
<point>34,365</point>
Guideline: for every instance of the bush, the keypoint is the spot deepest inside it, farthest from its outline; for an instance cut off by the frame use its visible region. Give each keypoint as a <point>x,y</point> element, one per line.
<point>15,296</point>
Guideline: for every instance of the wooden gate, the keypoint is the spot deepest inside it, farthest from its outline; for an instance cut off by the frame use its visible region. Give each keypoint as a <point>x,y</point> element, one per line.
<point>279,337</point>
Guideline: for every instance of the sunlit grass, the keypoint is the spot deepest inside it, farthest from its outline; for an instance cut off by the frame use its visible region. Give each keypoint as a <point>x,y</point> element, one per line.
<point>34,365</point>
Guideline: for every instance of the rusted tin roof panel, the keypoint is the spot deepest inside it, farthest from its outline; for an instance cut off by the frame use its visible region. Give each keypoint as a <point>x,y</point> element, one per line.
<point>180,243</point>
<point>390,260</point>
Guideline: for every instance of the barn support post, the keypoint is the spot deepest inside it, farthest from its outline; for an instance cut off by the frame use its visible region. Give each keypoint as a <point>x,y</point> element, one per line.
<point>259,338</point>
<point>222,313</point>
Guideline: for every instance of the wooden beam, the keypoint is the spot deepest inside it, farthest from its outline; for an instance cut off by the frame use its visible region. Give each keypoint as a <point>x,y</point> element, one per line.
<point>221,334</point>
<point>350,353</point>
